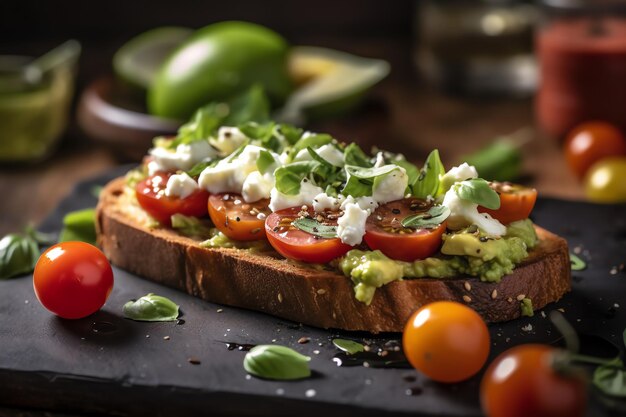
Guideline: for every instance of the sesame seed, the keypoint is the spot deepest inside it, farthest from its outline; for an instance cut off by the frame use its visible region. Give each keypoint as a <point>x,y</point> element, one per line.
<point>521,297</point>
<point>304,340</point>
<point>321,291</point>
<point>467,298</point>
<point>468,286</point>
<point>280,298</point>
<point>510,300</point>
<point>494,294</point>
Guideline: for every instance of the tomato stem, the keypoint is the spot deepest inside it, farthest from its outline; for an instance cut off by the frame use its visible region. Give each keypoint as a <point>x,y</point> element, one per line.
<point>572,343</point>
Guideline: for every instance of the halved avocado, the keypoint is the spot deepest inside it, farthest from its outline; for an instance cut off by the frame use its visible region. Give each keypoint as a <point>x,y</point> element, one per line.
<point>329,82</point>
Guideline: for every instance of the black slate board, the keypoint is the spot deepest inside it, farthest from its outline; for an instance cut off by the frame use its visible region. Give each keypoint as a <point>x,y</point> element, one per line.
<point>48,362</point>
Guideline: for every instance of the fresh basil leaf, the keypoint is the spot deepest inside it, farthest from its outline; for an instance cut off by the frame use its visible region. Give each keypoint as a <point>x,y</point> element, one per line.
<point>315,228</point>
<point>251,105</point>
<point>289,177</point>
<point>576,263</point>
<point>79,225</point>
<point>349,346</point>
<point>151,308</point>
<point>358,187</point>
<point>610,378</point>
<point>276,362</point>
<point>291,133</point>
<point>427,182</point>
<point>360,180</point>
<point>478,191</point>
<point>354,155</point>
<point>197,169</point>
<point>190,226</point>
<point>313,141</point>
<point>369,173</point>
<point>318,158</point>
<point>429,219</point>
<point>265,161</point>
<point>45,239</point>
<point>264,134</point>
<point>499,161</point>
<point>18,255</point>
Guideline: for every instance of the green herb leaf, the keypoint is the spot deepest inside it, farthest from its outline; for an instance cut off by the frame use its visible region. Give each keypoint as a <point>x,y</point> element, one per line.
<point>265,161</point>
<point>429,219</point>
<point>349,346</point>
<point>315,228</point>
<point>412,171</point>
<point>360,181</point>
<point>577,264</point>
<point>427,182</point>
<point>318,158</point>
<point>79,225</point>
<point>41,238</point>
<point>478,191</point>
<point>190,226</point>
<point>610,378</point>
<point>313,141</point>
<point>354,155</point>
<point>151,308</point>
<point>276,362</point>
<point>251,106</point>
<point>291,133</point>
<point>289,177</point>
<point>197,169</point>
<point>369,173</point>
<point>18,255</point>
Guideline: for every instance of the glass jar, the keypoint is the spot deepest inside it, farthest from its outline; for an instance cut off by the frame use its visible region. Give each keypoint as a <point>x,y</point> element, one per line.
<point>581,46</point>
<point>33,114</point>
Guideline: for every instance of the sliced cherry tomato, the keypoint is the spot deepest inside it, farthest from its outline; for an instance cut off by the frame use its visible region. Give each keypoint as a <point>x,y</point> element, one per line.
<point>237,219</point>
<point>151,196</point>
<point>294,243</point>
<point>521,382</point>
<point>384,231</point>
<point>516,202</point>
<point>447,341</point>
<point>73,279</point>
<point>590,142</point>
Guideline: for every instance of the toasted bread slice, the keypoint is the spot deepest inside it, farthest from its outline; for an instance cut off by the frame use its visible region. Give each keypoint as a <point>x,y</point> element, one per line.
<point>322,298</point>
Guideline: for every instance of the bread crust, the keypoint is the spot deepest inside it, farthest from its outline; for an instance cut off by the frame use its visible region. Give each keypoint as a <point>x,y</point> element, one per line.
<point>322,298</point>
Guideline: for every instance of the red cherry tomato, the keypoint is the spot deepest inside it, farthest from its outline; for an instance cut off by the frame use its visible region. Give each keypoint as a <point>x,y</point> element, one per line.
<point>516,202</point>
<point>73,279</point>
<point>237,219</point>
<point>384,231</point>
<point>294,243</point>
<point>151,196</point>
<point>590,142</point>
<point>447,341</point>
<point>521,383</point>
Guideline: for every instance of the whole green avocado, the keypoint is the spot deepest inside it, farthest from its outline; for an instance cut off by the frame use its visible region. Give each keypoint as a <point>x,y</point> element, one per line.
<point>217,62</point>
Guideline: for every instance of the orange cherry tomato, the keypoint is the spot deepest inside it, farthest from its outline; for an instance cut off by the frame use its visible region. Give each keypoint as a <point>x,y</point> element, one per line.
<point>447,341</point>
<point>384,231</point>
<point>151,197</point>
<point>590,142</point>
<point>297,244</point>
<point>237,219</point>
<point>73,279</point>
<point>521,383</point>
<point>516,202</point>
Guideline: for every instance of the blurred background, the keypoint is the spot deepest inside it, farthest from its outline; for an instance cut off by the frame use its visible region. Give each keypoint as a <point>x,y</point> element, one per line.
<point>465,77</point>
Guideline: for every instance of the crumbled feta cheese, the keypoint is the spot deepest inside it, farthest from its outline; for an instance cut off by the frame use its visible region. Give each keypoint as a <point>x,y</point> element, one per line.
<point>391,187</point>
<point>230,175</point>
<point>153,168</point>
<point>184,157</point>
<point>308,191</point>
<point>257,186</point>
<point>323,202</point>
<point>461,173</point>
<point>464,213</point>
<point>180,185</point>
<point>351,225</point>
<point>228,139</point>
<point>380,160</point>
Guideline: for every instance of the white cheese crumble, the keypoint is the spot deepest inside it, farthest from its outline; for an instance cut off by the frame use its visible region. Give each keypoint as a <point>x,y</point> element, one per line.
<point>391,187</point>
<point>328,152</point>
<point>228,139</point>
<point>308,191</point>
<point>323,202</point>
<point>230,175</point>
<point>180,185</point>
<point>351,224</point>
<point>455,174</point>
<point>184,157</point>
<point>464,213</point>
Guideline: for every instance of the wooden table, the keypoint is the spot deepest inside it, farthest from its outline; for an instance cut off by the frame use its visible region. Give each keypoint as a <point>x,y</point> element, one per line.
<point>401,116</point>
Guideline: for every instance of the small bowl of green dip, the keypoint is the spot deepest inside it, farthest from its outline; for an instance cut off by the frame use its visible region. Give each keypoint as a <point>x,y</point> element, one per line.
<point>33,110</point>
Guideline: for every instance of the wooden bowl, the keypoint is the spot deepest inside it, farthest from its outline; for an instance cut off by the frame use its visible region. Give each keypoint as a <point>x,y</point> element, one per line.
<point>112,114</point>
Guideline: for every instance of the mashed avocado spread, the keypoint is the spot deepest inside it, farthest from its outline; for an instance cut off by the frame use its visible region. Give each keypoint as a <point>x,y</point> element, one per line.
<point>464,252</point>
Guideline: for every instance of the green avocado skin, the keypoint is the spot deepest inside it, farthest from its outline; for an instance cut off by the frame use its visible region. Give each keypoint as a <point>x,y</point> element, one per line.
<point>216,62</point>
